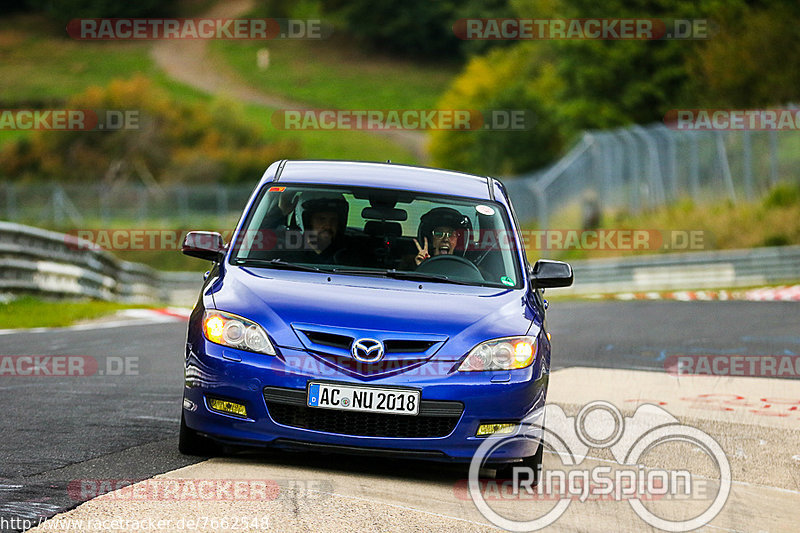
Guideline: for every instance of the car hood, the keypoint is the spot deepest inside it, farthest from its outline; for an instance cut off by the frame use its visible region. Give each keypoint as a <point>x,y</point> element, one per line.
<point>460,315</point>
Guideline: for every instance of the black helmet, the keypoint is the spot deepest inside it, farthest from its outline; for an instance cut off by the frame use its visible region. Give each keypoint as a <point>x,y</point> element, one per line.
<point>324,202</point>
<point>445,216</point>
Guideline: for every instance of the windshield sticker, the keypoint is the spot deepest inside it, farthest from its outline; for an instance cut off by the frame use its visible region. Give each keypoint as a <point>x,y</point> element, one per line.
<point>505,280</point>
<point>484,210</point>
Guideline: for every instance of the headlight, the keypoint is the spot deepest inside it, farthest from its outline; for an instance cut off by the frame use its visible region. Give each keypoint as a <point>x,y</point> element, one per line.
<point>228,329</point>
<point>508,353</point>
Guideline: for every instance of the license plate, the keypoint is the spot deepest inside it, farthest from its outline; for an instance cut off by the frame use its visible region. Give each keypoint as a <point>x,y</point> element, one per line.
<point>368,399</point>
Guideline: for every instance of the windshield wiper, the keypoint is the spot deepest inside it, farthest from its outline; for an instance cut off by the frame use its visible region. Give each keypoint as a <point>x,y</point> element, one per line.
<point>400,274</point>
<point>389,273</point>
<point>277,263</point>
<point>421,276</point>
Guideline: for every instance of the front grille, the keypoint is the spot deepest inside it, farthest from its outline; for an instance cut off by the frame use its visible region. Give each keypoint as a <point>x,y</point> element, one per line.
<point>436,418</point>
<point>320,339</point>
<point>329,339</point>
<point>361,424</point>
<point>382,367</point>
<point>392,346</point>
<point>407,346</point>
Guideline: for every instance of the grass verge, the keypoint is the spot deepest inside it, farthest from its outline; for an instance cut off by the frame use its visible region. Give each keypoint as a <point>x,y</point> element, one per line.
<point>33,312</point>
<point>686,226</point>
<point>335,73</point>
<point>321,144</point>
<point>40,67</point>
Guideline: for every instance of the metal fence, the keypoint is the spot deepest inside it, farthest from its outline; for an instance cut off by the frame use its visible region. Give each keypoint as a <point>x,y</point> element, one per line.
<point>641,167</point>
<point>82,205</point>
<point>631,169</point>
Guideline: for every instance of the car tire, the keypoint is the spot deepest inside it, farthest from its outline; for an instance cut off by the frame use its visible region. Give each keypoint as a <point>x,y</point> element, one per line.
<point>191,442</point>
<point>505,471</point>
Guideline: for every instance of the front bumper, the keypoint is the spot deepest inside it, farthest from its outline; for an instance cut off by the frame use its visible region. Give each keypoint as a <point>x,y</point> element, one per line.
<point>244,377</point>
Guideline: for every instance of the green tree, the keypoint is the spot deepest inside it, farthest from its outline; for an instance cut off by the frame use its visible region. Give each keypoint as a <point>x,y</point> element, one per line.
<point>753,59</point>
<point>522,78</point>
<point>66,10</point>
<point>415,28</point>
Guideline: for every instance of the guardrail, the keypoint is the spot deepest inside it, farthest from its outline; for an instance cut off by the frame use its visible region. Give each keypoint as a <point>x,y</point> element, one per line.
<point>682,271</point>
<point>46,262</point>
<point>56,264</point>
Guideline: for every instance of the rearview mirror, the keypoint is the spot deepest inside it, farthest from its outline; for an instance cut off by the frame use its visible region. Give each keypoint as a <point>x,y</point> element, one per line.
<point>384,213</point>
<point>204,244</point>
<point>547,274</point>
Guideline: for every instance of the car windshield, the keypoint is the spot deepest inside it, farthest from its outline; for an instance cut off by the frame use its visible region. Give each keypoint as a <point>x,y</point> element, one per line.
<point>380,232</point>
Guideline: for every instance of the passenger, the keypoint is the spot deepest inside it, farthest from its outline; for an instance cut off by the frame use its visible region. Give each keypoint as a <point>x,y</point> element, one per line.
<point>439,228</point>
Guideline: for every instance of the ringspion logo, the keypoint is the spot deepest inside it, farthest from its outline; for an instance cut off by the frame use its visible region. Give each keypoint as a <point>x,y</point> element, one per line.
<point>601,425</point>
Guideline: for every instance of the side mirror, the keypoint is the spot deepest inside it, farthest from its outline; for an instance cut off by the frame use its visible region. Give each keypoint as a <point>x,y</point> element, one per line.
<point>547,274</point>
<point>204,244</point>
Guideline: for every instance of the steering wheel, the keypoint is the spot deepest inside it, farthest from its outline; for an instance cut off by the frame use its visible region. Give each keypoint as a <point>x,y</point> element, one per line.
<point>483,256</point>
<point>451,265</point>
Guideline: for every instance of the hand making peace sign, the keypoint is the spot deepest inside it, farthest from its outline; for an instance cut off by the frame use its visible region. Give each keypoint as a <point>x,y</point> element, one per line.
<point>423,251</point>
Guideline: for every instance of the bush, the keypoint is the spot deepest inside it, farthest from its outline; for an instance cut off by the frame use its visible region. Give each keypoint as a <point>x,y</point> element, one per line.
<point>783,195</point>
<point>174,141</point>
<point>753,58</point>
<point>518,78</point>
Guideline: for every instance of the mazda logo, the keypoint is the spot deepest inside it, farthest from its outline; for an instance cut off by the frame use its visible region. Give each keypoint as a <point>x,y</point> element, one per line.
<point>367,350</point>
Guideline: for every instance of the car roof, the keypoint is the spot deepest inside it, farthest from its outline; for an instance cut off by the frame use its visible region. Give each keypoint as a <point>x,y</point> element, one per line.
<point>386,175</point>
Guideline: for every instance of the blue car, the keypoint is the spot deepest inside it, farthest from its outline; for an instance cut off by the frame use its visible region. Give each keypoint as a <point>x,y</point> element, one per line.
<point>369,308</point>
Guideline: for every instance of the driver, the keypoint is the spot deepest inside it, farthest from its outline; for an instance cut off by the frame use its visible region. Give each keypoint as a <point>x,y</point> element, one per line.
<point>323,221</point>
<point>439,228</point>
<point>323,217</point>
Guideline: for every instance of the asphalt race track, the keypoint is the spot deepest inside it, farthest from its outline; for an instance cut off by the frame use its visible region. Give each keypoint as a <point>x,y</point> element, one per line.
<point>61,434</point>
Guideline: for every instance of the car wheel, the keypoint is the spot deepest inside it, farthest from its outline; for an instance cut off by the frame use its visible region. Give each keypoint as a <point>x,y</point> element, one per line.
<point>534,462</point>
<point>192,443</point>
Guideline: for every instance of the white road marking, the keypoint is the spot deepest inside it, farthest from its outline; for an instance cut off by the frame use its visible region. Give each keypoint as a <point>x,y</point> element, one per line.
<point>137,317</point>
<point>395,505</point>
<point>159,418</point>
